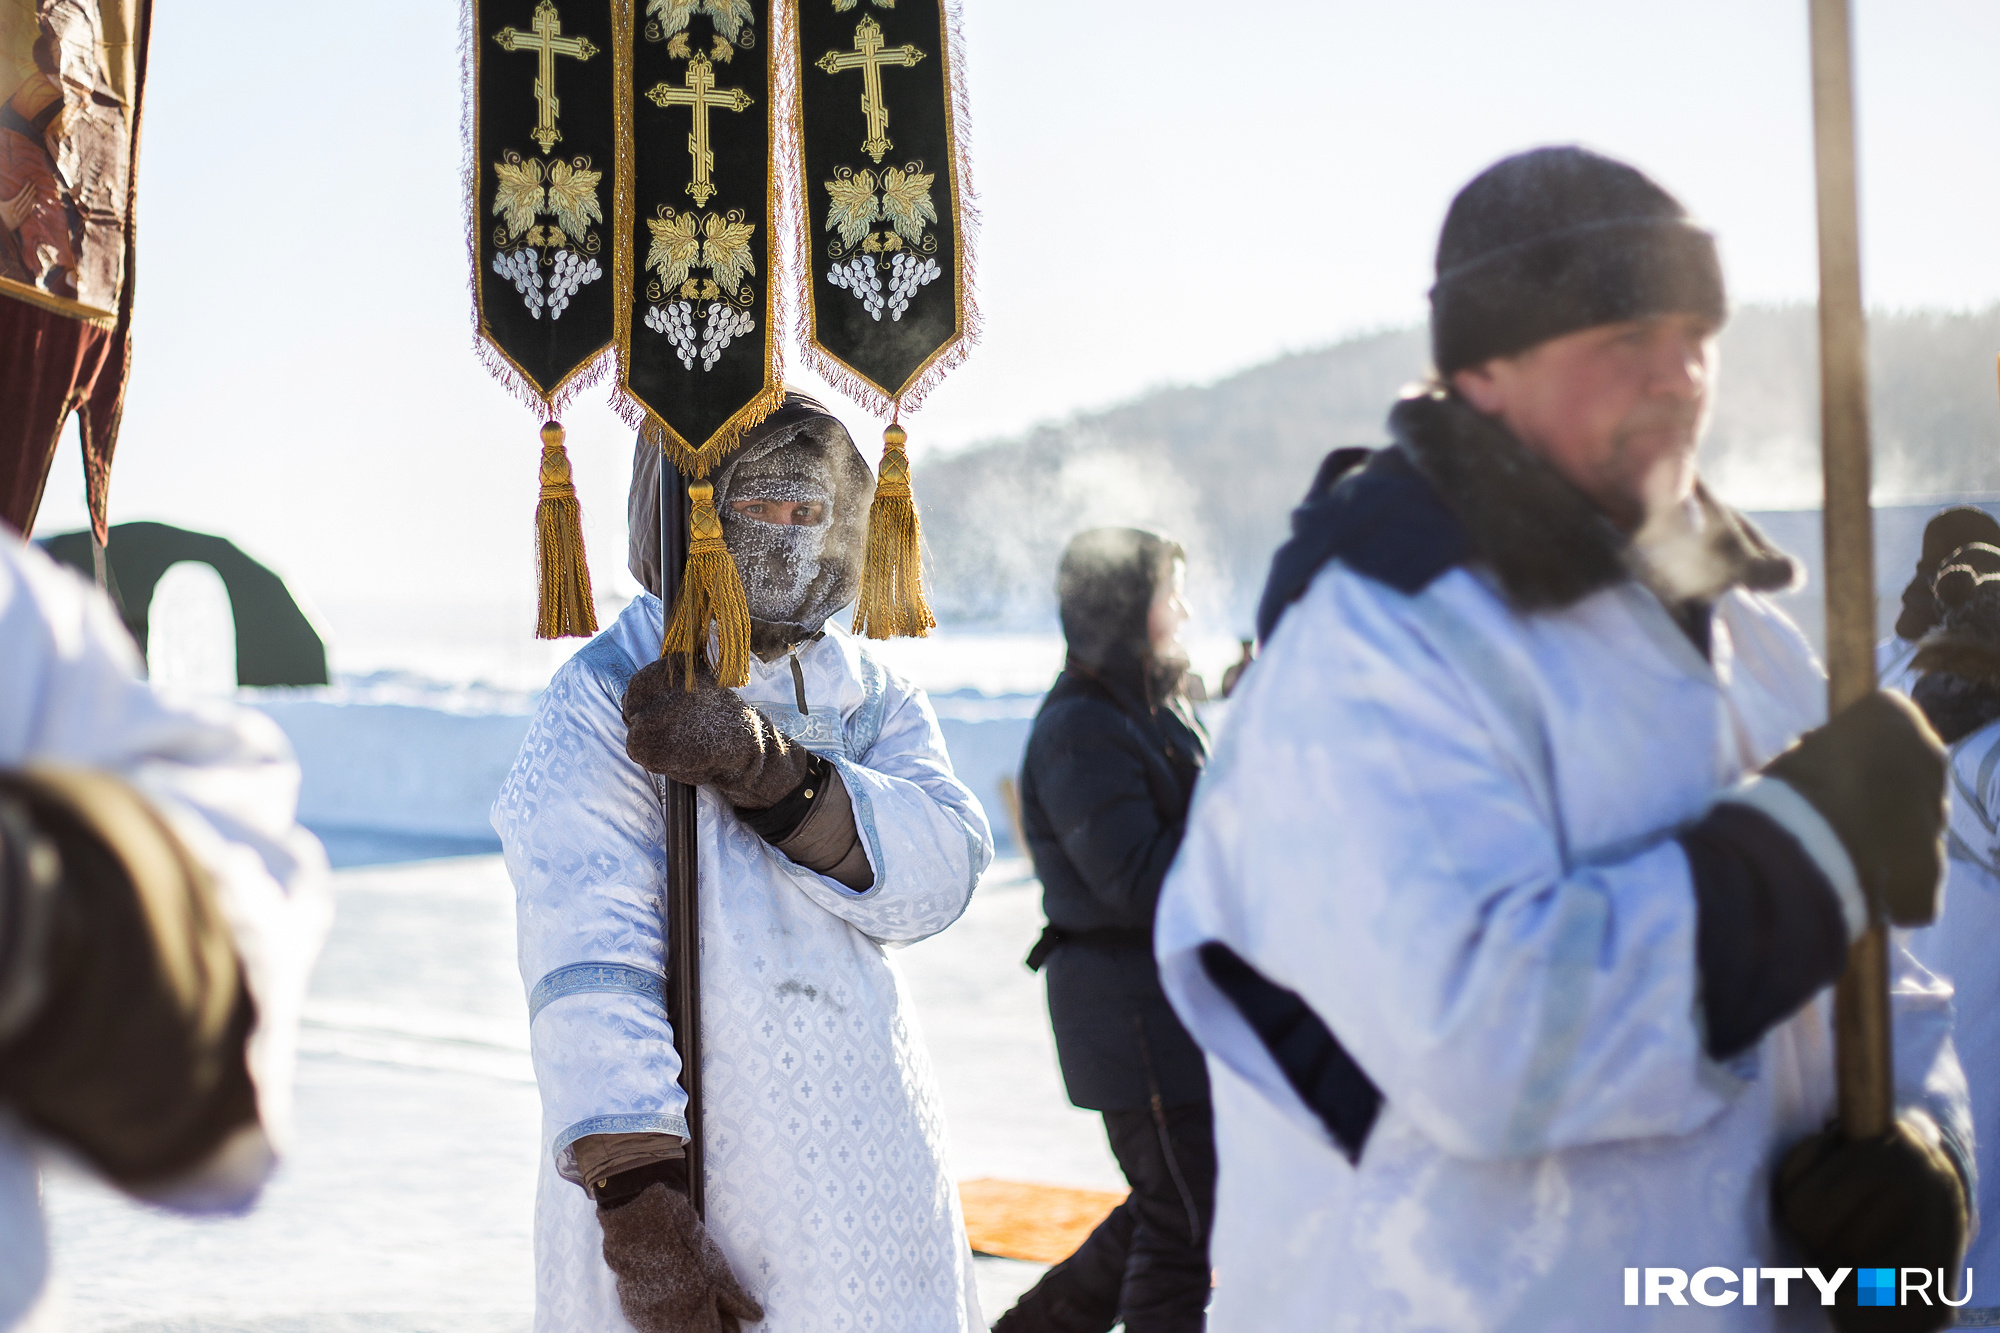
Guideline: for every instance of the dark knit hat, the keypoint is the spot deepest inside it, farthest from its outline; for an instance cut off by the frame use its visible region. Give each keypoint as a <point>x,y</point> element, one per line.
<point>1559,239</point>
<point>1950,529</point>
<point>1947,531</point>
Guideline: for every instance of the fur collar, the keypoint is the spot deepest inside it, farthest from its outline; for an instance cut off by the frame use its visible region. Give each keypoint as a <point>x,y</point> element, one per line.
<point>1967,645</point>
<point>1958,685</point>
<point>1547,544</point>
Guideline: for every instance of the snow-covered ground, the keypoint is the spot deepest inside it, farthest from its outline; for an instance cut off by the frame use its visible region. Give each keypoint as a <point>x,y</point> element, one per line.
<point>404,1204</point>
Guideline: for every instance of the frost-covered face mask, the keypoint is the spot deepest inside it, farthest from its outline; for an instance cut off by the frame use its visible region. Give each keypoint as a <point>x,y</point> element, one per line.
<point>778,561</point>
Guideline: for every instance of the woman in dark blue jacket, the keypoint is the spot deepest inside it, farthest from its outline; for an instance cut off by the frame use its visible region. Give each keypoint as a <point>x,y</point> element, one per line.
<point>1110,768</point>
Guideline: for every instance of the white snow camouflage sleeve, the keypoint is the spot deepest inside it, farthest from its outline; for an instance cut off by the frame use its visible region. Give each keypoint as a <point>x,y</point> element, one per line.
<point>1372,835</point>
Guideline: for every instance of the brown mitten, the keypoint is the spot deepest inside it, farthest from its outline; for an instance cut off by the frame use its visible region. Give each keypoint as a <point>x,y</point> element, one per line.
<point>1876,773</point>
<point>672,1277</point>
<point>1893,1202</point>
<point>129,1041</point>
<point>708,736</point>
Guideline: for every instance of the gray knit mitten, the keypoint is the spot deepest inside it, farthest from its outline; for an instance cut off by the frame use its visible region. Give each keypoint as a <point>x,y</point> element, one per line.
<point>672,1277</point>
<point>708,736</point>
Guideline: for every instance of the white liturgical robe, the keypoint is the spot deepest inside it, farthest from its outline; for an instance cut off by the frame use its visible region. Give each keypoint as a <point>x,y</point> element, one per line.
<point>827,1186</point>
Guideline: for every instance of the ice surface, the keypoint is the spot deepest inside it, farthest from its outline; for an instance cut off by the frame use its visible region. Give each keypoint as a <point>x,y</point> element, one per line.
<point>405,1203</point>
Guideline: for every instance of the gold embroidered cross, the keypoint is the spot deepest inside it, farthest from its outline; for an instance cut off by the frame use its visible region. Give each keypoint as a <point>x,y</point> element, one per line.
<point>869,56</point>
<point>700,94</point>
<point>547,40</point>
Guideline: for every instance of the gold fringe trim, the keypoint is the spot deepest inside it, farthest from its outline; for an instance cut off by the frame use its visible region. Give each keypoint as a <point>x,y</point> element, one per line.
<point>567,609</point>
<point>892,582</point>
<point>711,592</point>
<point>690,459</point>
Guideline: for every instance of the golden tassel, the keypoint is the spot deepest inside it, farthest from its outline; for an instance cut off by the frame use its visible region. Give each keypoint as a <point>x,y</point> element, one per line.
<point>892,583</point>
<point>567,609</point>
<point>711,590</point>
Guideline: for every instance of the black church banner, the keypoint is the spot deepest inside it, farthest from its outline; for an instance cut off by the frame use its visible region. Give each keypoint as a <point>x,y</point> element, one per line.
<point>886,299</point>
<point>885,290</point>
<point>699,348</point>
<point>542,140</point>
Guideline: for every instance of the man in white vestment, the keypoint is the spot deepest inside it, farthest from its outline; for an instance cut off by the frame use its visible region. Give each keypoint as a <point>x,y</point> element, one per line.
<point>160,910</point>
<point>830,829</point>
<point>1512,901</point>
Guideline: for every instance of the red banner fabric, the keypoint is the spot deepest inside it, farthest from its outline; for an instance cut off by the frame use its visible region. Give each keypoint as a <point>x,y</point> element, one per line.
<point>71,72</point>
<point>52,365</point>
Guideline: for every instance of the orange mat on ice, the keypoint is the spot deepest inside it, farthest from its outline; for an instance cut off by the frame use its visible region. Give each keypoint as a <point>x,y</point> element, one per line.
<point>1042,1223</point>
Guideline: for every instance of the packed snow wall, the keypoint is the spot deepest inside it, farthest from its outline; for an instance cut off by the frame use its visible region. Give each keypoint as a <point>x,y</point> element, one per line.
<point>397,767</point>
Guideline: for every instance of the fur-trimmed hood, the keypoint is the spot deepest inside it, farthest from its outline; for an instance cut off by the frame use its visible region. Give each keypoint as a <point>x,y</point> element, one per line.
<point>1546,543</point>
<point>803,426</point>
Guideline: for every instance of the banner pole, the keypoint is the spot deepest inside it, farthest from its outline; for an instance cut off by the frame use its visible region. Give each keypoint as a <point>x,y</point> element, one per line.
<point>683,905</point>
<point>1861,1003</point>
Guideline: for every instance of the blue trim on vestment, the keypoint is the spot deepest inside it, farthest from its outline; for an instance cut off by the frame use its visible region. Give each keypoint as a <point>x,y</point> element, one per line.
<point>865,727</point>
<point>642,1122</point>
<point>609,662</point>
<point>595,979</point>
<point>864,820</point>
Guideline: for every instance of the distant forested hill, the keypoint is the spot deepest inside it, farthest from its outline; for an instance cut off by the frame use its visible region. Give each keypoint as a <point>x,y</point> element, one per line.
<point>1221,466</point>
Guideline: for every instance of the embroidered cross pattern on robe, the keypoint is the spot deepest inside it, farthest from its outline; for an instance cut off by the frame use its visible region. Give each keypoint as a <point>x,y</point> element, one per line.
<point>544,145</point>
<point>700,354</point>
<point>885,292</point>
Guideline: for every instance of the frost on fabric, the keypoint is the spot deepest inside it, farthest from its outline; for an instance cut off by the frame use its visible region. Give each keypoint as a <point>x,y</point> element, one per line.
<point>778,561</point>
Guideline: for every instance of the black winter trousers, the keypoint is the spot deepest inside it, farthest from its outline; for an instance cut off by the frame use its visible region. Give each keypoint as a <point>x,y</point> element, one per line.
<point>1148,1261</point>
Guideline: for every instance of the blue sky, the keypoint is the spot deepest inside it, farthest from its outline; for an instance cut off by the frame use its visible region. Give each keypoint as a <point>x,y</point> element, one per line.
<point>1172,190</point>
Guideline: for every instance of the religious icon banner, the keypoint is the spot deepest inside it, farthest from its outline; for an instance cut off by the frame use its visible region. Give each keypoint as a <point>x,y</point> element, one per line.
<point>542,153</point>
<point>700,352</point>
<point>886,300</point>
<point>71,76</point>
<point>544,144</point>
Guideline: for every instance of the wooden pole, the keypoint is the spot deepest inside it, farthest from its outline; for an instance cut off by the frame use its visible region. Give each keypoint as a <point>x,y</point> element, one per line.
<point>1861,1004</point>
<point>683,906</point>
